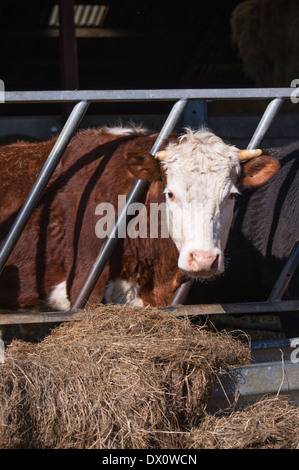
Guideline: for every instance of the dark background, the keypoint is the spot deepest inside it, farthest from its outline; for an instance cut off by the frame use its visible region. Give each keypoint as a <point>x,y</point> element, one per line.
<point>138,44</point>
<point>147,45</point>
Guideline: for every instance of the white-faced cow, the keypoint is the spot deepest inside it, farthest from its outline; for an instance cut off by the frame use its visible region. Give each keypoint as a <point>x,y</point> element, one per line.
<point>197,176</point>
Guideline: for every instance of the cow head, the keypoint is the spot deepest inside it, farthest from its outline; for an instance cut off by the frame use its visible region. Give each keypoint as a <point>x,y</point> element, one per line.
<point>202,176</point>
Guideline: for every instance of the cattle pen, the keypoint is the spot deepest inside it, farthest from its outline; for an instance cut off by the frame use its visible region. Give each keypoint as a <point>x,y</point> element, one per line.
<point>267,370</point>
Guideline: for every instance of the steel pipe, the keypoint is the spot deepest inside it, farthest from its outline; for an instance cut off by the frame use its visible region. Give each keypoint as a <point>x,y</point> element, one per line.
<point>264,124</point>
<point>250,383</point>
<point>49,96</point>
<point>40,184</point>
<point>181,293</point>
<point>286,274</point>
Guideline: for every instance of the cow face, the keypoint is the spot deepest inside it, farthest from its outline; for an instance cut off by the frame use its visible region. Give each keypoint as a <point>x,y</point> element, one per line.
<point>201,178</point>
<point>202,175</point>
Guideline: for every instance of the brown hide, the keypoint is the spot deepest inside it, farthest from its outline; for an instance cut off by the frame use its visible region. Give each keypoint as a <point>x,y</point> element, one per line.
<point>59,242</point>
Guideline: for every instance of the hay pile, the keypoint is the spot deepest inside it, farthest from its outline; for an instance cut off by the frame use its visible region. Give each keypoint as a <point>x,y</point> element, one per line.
<point>267,36</point>
<point>122,377</point>
<point>272,423</point>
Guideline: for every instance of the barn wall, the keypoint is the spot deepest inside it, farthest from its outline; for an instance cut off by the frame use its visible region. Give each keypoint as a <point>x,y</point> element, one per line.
<point>238,129</point>
<point>235,128</point>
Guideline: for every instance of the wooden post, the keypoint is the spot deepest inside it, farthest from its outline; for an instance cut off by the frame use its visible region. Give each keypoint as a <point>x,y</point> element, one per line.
<point>68,51</point>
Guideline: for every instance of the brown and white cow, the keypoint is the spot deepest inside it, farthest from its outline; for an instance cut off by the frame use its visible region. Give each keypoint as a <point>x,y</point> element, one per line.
<point>196,176</point>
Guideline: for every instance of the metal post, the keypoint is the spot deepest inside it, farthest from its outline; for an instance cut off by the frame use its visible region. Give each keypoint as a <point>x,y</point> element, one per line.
<point>263,126</point>
<point>134,195</point>
<point>46,172</point>
<point>181,293</point>
<point>286,274</point>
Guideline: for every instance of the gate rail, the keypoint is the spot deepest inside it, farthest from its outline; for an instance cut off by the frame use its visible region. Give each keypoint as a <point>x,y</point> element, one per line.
<point>82,98</point>
<point>216,94</point>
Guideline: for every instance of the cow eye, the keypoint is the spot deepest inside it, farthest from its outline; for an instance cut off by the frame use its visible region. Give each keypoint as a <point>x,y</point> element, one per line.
<point>170,195</point>
<point>233,195</point>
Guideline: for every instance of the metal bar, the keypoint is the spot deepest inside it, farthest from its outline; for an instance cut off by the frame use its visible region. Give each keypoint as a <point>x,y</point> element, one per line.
<point>234,309</point>
<point>251,382</point>
<point>48,96</point>
<point>181,293</point>
<point>32,318</point>
<point>286,274</point>
<point>273,344</point>
<point>41,182</point>
<point>135,193</point>
<point>10,318</point>
<point>245,325</point>
<point>263,126</point>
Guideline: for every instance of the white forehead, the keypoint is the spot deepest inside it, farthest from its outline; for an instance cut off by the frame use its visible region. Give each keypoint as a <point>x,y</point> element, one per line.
<point>201,160</point>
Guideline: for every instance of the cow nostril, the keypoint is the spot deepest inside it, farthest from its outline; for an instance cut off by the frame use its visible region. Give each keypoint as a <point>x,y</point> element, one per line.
<point>214,266</point>
<point>204,261</point>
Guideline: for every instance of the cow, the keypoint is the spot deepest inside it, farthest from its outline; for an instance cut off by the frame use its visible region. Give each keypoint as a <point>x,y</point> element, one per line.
<point>264,230</point>
<point>197,177</point>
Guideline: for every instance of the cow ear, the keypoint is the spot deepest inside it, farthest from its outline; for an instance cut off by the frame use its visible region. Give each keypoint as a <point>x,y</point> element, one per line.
<point>258,171</point>
<point>143,166</point>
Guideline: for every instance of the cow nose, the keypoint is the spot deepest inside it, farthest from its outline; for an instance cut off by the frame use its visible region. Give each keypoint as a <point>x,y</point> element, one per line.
<point>204,261</point>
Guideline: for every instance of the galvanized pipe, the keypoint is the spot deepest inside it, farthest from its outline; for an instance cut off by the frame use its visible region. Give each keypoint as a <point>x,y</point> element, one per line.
<point>263,126</point>
<point>40,184</point>
<point>63,96</point>
<point>181,293</point>
<point>286,274</point>
<point>136,191</point>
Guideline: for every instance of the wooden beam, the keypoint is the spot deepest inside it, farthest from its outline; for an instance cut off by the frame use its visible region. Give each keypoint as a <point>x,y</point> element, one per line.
<point>30,317</point>
<point>95,33</point>
<point>234,309</point>
<point>68,46</point>
<point>68,52</point>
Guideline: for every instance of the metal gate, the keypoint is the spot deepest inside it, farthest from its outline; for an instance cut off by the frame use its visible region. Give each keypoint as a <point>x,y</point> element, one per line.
<point>276,97</point>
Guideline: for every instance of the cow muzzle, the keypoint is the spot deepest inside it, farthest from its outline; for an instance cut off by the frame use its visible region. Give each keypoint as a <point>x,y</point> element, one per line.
<point>202,264</point>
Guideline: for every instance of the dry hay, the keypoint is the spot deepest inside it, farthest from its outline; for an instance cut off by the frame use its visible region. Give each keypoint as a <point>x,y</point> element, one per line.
<point>133,378</point>
<point>122,377</point>
<point>267,36</point>
<point>272,423</point>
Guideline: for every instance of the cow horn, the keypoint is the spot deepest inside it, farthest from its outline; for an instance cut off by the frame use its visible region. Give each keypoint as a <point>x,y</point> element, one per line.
<point>161,155</point>
<point>248,154</point>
